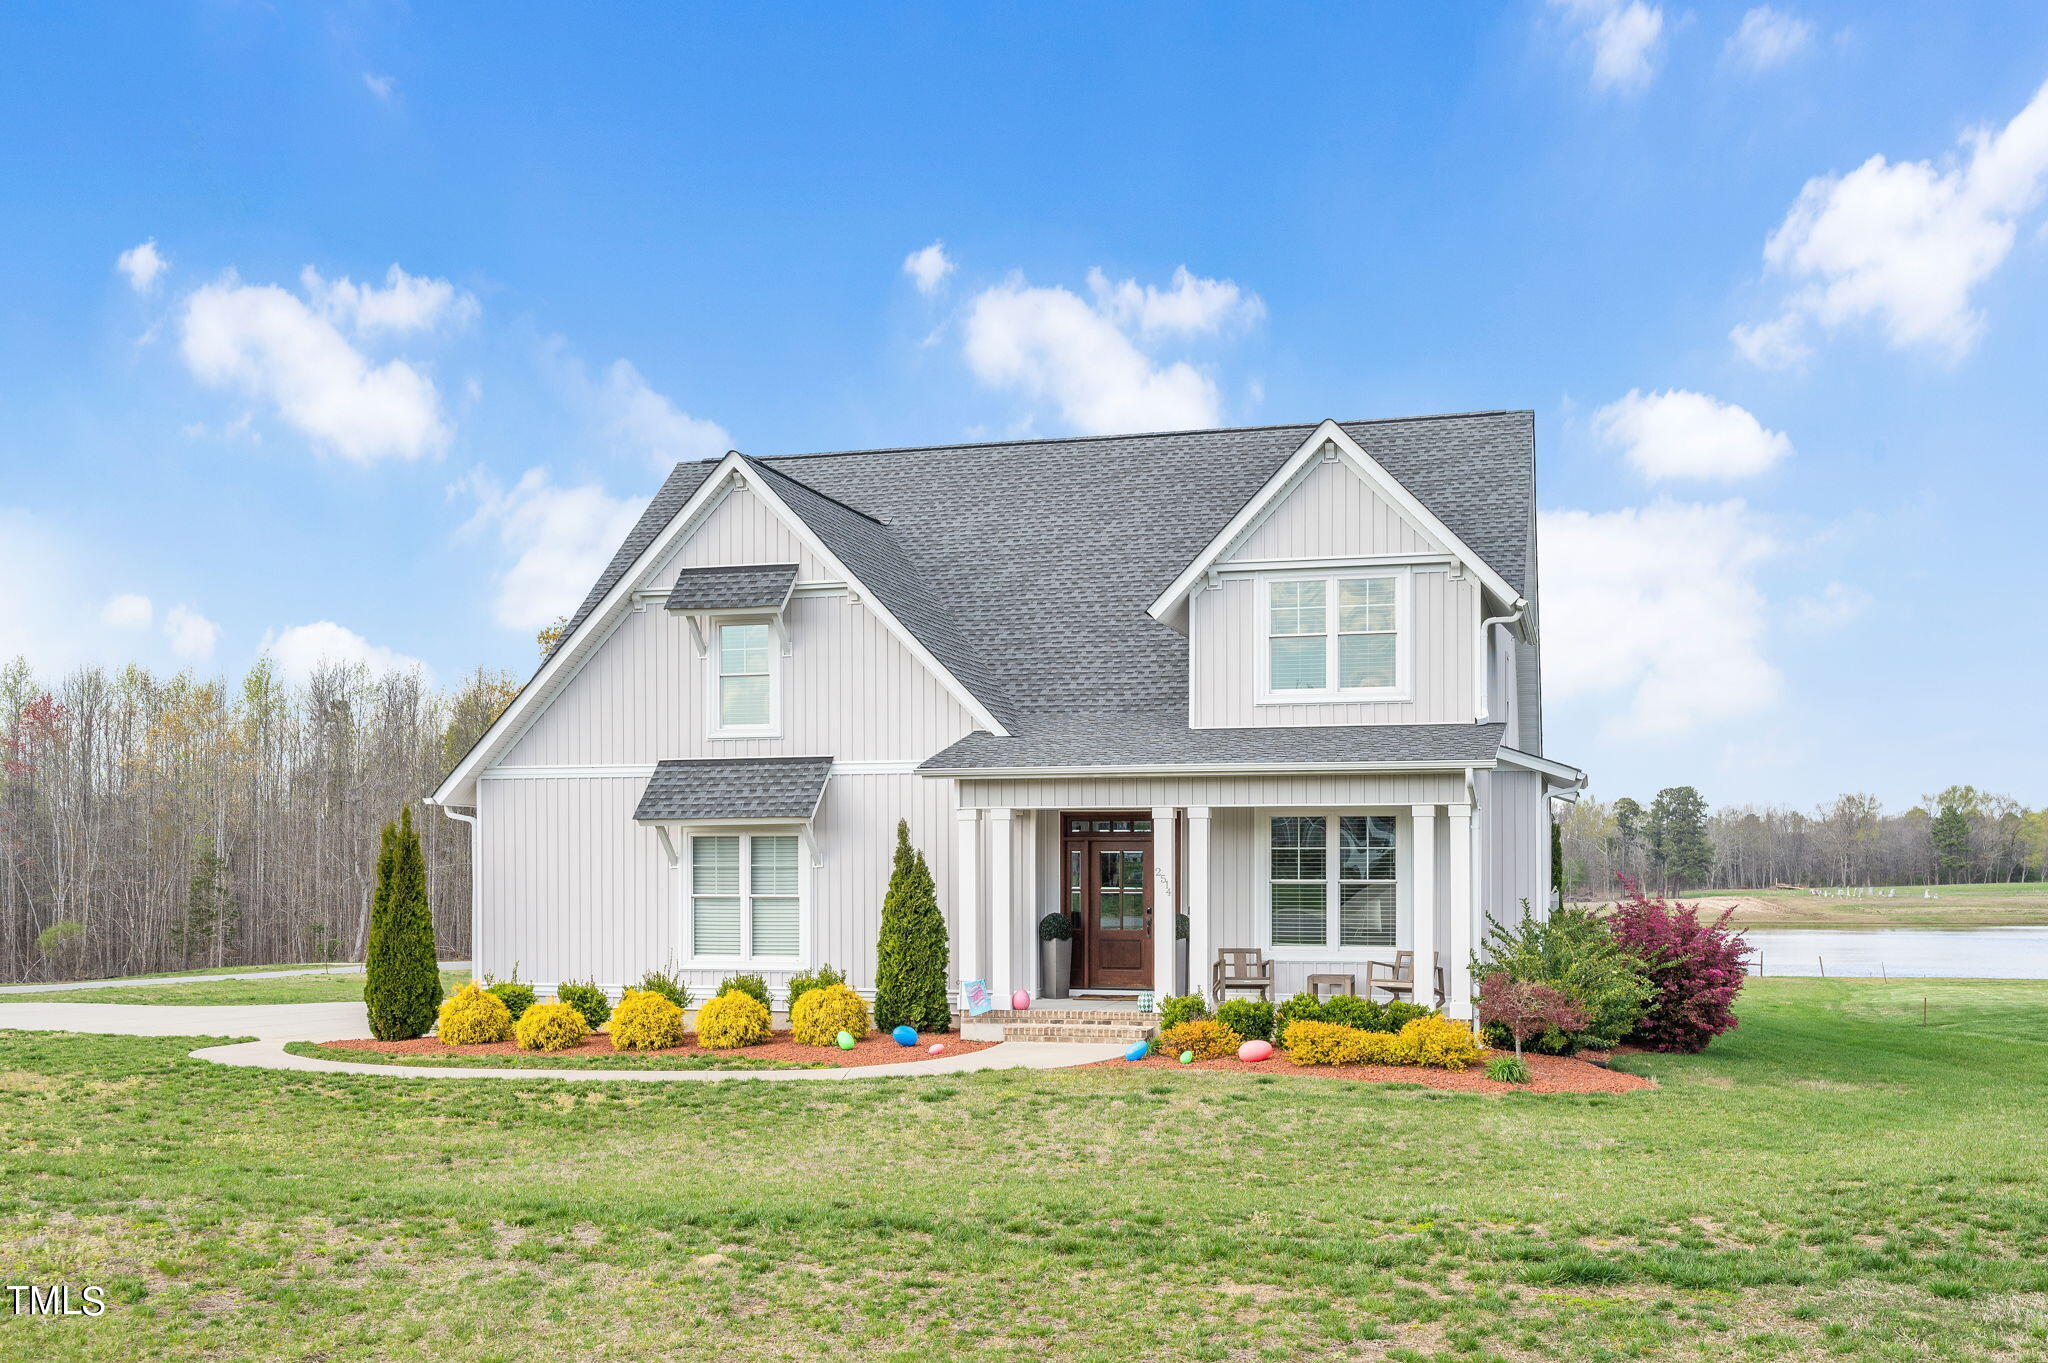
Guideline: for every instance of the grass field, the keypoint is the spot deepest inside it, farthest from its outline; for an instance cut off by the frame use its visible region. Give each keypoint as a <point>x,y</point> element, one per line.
<point>1954,906</point>
<point>1831,1180</point>
<point>290,989</point>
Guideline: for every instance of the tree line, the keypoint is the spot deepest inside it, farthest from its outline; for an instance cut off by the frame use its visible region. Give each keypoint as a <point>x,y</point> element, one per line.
<point>155,822</point>
<point>1961,835</point>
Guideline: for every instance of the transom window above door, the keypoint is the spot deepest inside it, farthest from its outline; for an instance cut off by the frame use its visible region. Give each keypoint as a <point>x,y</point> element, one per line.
<point>1333,636</point>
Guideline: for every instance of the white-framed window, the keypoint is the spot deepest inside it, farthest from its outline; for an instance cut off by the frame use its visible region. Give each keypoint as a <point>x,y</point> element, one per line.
<point>745,899</point>
<point>1333,636</point>
<point>746,679</point>
<point>1332,882</point>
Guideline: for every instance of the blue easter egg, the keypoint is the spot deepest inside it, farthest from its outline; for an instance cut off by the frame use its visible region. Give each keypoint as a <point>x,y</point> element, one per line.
<point>905,1036</point>
<point>1139,1051</point>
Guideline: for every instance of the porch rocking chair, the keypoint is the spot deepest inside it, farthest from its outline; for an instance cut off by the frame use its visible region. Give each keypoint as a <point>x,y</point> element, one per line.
<point>1399,978</point>
<point>1240,968</point>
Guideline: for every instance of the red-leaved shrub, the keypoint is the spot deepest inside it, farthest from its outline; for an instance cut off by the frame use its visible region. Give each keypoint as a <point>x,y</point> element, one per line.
<point>1697,969</point>
<point>1526,1009</point>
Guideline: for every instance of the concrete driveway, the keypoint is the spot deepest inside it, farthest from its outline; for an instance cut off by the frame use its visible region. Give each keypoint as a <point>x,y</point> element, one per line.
<point>266,1021</point>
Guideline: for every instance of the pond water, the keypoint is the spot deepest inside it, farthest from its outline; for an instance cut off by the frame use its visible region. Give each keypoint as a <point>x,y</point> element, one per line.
<point>2005,953</point>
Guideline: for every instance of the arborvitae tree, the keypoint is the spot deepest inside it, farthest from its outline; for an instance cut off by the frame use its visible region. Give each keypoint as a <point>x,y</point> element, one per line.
<point>911,954</point>
<point>1557,859</point>
<point>402,977</point>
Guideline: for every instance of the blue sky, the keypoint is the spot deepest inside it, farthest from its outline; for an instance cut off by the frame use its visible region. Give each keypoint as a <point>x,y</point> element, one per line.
<point>361,330</point>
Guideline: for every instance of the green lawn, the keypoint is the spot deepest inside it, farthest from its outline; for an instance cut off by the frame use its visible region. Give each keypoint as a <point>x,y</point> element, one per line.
<point>290,989</point>
<point>1832,1180</point>
<point>585,1060</point>
<point>1953,906</point>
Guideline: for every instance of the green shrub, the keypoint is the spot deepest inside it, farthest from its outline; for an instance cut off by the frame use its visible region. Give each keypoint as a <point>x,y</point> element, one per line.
<point>822,1014</point>
<point>401,976</point>
<point>1574,953</point>
<point>666,984</point>
<point>516,997</point>
<point>550,1027</point>
<point>1249,1018</point>
<point>646,1021</point>
<point>1300,1008</point>
<point>588,999</point>
<point>1400,1012</point>
<point>911,954</point>
<point>473,1016</point>
<point>1508,1069</point>
<point>802,984</point>
<point>753,986</point>
<point>1348,1010</point>
<point>1181,1008</point>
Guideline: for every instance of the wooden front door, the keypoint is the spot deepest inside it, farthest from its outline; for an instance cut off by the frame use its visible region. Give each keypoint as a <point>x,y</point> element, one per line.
<point>1107,859</point>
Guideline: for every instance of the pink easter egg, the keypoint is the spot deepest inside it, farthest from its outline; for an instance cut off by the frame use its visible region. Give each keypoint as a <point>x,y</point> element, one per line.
<point>937,1046</point>
<point>1255,1050</point>
<point>1020,1001</point>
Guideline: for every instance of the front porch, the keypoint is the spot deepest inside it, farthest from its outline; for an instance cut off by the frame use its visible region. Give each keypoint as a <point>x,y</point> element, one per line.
<point>1365,865</point>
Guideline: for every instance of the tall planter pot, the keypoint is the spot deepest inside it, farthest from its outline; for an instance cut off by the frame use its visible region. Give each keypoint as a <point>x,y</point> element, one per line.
<point>1055,968</point>
<point>1184,985</point>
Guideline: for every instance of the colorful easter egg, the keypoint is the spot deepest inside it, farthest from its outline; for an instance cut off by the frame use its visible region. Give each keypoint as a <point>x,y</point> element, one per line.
<point>1187,1057</point>
<point>1139,1051</point>
<point>936,1047</point>
<point>1020,1001</point>
<point>846,1041</point>
<point>905,1036</point>
<point>1255,1050</point>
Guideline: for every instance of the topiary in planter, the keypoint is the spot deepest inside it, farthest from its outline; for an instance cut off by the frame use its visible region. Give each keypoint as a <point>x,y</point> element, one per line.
<point>516,997</point>
<point>550,1027</point>
<point>732,1019</point>
<point>646,1021</point>
<point>820,1015</point>
<point>1055,927</point>
<point>474,1016</point>
<point>587,999</point>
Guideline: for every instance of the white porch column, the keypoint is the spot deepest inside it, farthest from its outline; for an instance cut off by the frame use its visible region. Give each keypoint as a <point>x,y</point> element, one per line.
<point>1198,900</point>
<point>1002,892</point>
<point>1165,900</point>
<point>1424,903</point>
<point>966,894</point>
<point>1464,917</point>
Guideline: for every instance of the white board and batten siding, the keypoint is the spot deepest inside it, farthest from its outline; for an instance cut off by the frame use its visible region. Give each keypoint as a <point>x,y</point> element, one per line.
<point>1514,843</point>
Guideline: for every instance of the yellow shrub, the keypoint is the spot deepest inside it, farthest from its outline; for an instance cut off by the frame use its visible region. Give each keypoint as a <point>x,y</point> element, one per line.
<point>732,1019</point>
<point>821,1015</point>
<point>1326,1043</point>
<point>645,1022</point>
<point>549,1027</point>
<point>1436,1041</point>
<point>1206,1037</point>
<point>472,1016</point>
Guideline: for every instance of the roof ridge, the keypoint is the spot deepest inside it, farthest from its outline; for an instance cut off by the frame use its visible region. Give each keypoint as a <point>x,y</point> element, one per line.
<point>1138,435</point>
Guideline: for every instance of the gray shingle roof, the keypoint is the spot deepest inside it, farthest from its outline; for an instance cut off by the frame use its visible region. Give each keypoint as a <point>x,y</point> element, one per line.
<point>764,585</point>
<point>735,788</point>
<point>1117,742</point>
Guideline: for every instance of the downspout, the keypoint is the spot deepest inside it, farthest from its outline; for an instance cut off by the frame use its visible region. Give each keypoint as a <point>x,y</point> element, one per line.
<point>1484,658</point>
<point>475,886</point>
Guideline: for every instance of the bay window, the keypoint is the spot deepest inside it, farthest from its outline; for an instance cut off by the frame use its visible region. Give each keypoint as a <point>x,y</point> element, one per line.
<point>746,898</point>
<point>1331,881</point>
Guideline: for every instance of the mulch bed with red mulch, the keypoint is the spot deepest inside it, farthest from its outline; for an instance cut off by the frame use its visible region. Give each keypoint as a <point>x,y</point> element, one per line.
<point>874,1050</point>
<point>1547,1074</point>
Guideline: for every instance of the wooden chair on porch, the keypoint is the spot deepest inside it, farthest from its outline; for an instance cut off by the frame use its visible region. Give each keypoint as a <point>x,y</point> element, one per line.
<point>1399,978</point>
<point>1241,968</point>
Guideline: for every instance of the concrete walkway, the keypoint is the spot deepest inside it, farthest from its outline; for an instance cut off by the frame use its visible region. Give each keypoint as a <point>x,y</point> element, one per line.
<point>65,986</point>
<point>273,1024</point>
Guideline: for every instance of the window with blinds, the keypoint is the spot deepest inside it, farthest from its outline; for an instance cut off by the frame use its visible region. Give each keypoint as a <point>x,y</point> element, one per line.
<point>745,897</point>
<point>1332,880</point>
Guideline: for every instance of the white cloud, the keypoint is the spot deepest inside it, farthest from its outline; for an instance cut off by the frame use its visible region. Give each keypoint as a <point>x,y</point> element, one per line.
<point>1052,346</point>
<point>1768,38</point>
<point>928,267</point>
<point>263,341</point>
<point>192,635</point>
<point>1680,434</point>
<point>142,264</point>
<point>559,539</point>
<point>1626,37</point>
<point>300,649</point>
<point>406,303</point>
<point>635,414</point>
<point>380,86</point>
<point>1192,307</point>
<point>1658,608</point>
<point>127,611</point>
<point>1904,243</point>
<point>1832,607</point>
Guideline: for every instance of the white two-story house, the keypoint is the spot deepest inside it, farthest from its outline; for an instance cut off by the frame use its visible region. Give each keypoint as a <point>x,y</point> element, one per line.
<point>1284,680</point>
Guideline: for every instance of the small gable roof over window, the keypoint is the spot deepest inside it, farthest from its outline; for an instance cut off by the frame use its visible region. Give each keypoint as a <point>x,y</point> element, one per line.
<point>763,586</point>
<point>719,789</point>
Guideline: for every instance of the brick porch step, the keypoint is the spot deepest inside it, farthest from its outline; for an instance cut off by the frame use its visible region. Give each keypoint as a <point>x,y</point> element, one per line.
<point>1095,1026</point>
<point>1071,1032</point>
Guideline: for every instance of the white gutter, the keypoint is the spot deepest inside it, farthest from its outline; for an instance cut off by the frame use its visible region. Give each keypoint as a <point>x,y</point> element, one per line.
<point>1198,769</point>
<point>1483,658</point>
<point>476,916</point>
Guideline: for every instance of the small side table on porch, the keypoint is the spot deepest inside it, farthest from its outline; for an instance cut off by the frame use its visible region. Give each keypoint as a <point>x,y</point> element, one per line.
<point>1336,984</point>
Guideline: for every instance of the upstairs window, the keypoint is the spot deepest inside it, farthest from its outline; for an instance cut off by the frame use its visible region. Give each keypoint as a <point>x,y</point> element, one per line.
<point>1334,636</point>
<point>744,699</point>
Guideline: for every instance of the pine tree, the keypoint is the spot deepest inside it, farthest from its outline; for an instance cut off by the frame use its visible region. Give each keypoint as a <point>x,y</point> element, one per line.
<point>211,913</point>
<point>911,953</point>
<point>1951,837</point>
<point>1678,837</point>
<point>1557,859</point>
<point>402,977</point>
